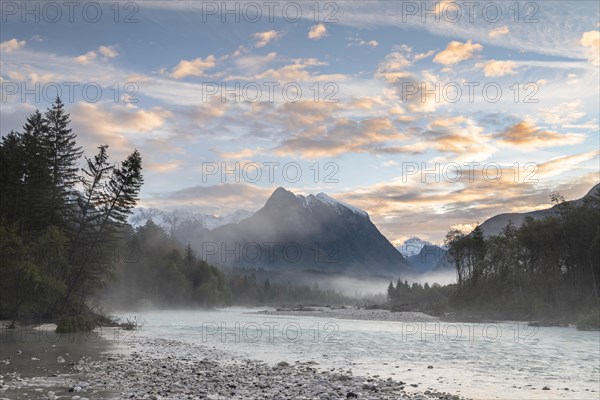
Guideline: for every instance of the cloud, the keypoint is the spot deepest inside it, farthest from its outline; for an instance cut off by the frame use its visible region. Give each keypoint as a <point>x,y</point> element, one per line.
<point>215,199</point>
<point>11,45</point>
<point>164,167</point>
<point>264,38</point>
<point>460,136</point>
<point>562,114</point>
<point>526,134</point>
<point>393,67</point>
<point>365,103</point>
<point>86,58</point>
<point>414,203</point>
<point>317,32</point>
<point>357,41</point>
<point>500,31</point>
<point>25,73</point>
<point>591,41</point>
<point>118,119</point>
<point>298,117</point>
<point>108,51</point>
<point>343,136</point>
<point>124,128</point>
<point>195,67</point>
<point>255,63</point>
<point>405,84</point>
<point>464,228</point>
<point>237,155</point>
<point>456,52</point>
<point>562,164</point>
<point>494,68</point>
<point>104,52</point>
<point>297,72</point>
<point>421,56</point>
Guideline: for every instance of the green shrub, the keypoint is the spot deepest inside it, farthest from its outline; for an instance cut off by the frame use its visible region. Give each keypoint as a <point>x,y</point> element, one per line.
<point>75,324</point>
<point>589,321</point>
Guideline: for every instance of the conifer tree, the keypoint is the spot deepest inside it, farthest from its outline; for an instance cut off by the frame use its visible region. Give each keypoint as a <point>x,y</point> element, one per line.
<point>11,177</point>
<point>62,155</point>
<point>37,181</point>
<point>121,195</point>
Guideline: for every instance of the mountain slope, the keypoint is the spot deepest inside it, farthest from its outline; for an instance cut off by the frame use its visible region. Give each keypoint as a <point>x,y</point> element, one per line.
<point>427,259</point>
<point>494,225</point>
<point>303,233</point>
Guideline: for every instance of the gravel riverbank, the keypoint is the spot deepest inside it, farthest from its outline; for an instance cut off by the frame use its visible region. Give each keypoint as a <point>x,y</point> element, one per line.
<point>353,313</point>
<point>150,368</point>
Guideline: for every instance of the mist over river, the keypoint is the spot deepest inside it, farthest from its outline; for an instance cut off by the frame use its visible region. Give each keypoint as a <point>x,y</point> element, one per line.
<point>482,361</point>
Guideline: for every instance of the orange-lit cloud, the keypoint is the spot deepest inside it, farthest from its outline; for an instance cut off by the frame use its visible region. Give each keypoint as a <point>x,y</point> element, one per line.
<point>11,45</point>
<point>456,52</point>
<point>527,135</point>
<point>317,32</point>
<point>498,32</point>
<point>264,38</point>
<point>495,68</point>
<point>196,67</point>
<point>591,41</point>
<point>103,52</point>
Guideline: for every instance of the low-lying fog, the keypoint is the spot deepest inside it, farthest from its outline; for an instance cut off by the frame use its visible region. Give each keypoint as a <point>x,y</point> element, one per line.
<point>360,287</point>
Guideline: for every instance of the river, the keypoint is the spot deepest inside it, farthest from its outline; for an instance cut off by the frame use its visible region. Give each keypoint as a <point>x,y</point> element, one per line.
<point>481,361</point>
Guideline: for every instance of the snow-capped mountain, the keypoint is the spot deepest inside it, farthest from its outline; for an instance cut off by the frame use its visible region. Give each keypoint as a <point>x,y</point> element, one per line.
<point>174,221</point>
<point>303,233</point>
<point>412,246</point>
<point>310,200</point>
<point>422,255</point>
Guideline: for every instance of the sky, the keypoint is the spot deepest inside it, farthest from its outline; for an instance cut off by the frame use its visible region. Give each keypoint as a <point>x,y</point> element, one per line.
<point>428,115</point>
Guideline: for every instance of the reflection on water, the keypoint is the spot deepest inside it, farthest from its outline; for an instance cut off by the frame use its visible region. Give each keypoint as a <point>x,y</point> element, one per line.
<point>40,351</point>
<point>507,360</point>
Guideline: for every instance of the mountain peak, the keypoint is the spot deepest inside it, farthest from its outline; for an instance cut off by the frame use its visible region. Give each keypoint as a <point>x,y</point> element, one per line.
<point>330,236</point>
<point>282,197</point>
<point>331,201</point>
<point>412,246</point>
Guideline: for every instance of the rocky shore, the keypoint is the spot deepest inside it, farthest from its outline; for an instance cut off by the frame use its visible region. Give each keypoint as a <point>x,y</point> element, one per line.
<point>149,368</point>
<point>355,313</point>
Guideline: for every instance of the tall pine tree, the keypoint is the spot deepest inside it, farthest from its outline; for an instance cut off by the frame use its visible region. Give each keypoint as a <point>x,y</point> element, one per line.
<point>37,181</point>
<point>11,177</point>
<point>62,155</point>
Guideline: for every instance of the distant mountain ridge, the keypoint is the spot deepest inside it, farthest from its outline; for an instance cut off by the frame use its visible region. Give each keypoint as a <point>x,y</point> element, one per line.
<point>424,256</point>
<point>180,223</point>
<point>428,258</point>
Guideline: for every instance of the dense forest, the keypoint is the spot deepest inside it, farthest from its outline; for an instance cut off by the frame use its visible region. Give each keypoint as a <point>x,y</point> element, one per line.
<point>544,269</point>
<point>156,272</point>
